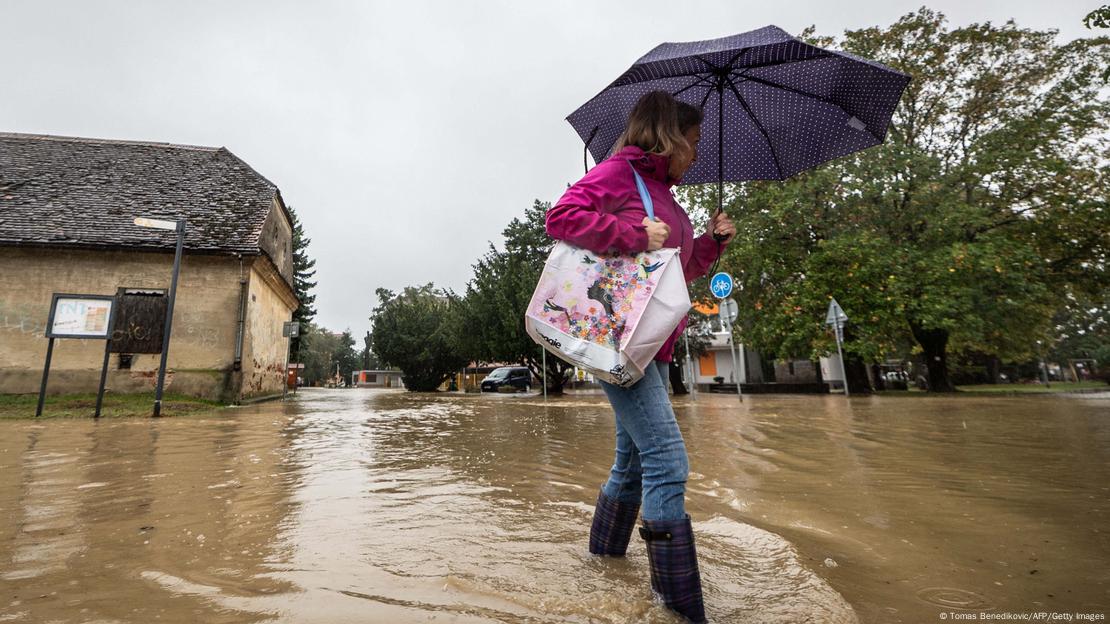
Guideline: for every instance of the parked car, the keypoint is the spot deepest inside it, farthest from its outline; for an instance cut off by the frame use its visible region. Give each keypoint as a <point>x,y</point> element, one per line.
<point>516,376</point>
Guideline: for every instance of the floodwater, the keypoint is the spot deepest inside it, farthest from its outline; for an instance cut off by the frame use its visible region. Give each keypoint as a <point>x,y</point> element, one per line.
<point>384,506</point>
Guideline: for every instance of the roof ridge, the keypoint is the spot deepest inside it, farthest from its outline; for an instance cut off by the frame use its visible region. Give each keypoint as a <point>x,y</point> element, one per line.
<point>246,164</point>
<point>97,141</point>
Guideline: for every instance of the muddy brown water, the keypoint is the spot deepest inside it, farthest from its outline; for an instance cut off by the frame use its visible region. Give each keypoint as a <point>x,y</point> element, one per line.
<point>384,506</point>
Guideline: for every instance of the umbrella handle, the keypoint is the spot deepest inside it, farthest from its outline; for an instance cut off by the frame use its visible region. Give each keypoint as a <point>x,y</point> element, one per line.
<point>720,238</point>
<point>586,148</point>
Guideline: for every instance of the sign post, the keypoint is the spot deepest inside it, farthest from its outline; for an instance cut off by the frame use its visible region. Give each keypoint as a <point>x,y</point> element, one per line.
<point>690,364</point>
<point>179,227</point>
<point>290,330</point>
<point>721,287</point>
<point>79,316</point>
<point>836,318</point>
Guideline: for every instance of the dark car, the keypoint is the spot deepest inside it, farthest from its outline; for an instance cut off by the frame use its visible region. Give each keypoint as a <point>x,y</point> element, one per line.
<point>516,376</point>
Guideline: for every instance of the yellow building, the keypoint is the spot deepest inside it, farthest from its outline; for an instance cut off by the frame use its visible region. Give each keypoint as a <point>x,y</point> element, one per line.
<point>67,210</point>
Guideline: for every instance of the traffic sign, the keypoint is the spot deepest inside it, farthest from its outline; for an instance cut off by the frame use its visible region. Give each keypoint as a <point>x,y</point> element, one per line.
<point>159,224</point>
<point>836,318</point>
<point>729,311</point>
<point>836,315</point>
<point>290,329</point>
<point>721,285</point>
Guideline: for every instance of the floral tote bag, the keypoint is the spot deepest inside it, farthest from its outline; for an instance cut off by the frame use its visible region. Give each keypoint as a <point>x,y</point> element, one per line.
<point>608,314</point>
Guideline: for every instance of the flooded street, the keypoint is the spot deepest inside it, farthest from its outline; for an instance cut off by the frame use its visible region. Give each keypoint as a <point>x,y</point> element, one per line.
<point>385,506</point>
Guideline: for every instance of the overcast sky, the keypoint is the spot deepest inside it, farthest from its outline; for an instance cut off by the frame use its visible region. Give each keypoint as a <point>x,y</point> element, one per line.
<point>406,134</point>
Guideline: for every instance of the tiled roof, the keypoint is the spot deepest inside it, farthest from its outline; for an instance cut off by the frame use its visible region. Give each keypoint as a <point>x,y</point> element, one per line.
<point>87,192</point>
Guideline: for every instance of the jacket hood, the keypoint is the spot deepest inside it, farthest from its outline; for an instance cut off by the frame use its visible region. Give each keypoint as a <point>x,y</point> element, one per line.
<point>654,166</point>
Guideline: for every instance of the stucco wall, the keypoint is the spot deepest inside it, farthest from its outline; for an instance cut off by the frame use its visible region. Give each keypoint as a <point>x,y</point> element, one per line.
<point>202,346</point>
<point>265,348</point>
<point>276,240</point>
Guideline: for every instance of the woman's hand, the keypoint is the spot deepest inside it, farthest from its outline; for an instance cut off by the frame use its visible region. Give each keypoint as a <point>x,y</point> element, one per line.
<point>722,224</point>
<point>657,232</point>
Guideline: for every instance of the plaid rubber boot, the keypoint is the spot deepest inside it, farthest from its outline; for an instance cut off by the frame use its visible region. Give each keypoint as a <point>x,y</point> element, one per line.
<point>612,526</point>
<point>674,566</point>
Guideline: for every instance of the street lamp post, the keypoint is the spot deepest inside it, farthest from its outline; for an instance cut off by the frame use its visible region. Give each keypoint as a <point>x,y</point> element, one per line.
<point>1044,363</point>
<point>179,227</point>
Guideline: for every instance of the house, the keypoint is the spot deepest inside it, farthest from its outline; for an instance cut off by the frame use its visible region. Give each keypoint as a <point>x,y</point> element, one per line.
<point>718,357</point>
<point>67,210</point>
<point>756,374</point>
<point>376,379</point>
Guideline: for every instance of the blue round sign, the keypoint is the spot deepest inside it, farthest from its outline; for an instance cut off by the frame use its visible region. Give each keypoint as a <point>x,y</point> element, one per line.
<point>721,285</point>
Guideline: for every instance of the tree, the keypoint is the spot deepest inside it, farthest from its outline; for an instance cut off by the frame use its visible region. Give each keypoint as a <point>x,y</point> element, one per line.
<point>1099,18</point>
<point>986,204</point>
<point>303,271</point>
<point>491,319</point>
<point>412,331</point>
<point>369,359</point>
<point>322,351</point>
<point>317,347</point>
<point>345,357</point>
<point>1082,332</point>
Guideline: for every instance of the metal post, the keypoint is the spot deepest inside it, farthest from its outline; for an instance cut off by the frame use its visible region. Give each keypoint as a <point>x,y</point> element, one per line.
<point>285,371</point>
<point>735,370</point>
<point>45,374</point>
<point>843,369</point>
<point>103,377</point>
<point>544,374</point>
<point>720,146</point>
<point>690,364</point>
<point>169,318</point>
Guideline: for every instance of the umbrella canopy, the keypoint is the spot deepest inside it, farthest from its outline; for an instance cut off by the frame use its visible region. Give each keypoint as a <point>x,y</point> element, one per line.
<point>773,105</point>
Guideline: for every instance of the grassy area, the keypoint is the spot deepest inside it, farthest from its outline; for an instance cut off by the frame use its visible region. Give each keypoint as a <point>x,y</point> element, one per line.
<point>1038,388</point>
<point>1015,388</point>
<point>115,405</point>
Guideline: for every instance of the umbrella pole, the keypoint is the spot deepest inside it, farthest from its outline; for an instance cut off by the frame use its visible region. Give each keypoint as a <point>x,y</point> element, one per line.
<point>720,168</point>
<point>720,151</point>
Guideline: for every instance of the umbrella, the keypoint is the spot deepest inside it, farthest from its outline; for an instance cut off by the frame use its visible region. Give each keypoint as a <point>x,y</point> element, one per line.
<point>777,105</point>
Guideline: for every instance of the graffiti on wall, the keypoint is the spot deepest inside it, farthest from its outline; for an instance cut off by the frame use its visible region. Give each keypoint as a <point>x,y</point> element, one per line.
<point>23,319</point>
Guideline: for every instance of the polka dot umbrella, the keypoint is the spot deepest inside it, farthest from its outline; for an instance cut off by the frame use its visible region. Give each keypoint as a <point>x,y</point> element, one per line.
<point>773,105</point>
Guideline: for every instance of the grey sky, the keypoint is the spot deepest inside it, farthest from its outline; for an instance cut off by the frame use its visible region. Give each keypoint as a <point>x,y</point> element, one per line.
<point>405,134</point>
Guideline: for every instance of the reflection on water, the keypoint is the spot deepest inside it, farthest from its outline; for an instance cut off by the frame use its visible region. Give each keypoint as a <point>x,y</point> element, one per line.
<point>384,506</point>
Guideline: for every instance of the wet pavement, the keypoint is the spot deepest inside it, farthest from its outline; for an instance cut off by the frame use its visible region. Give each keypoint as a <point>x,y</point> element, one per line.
<point>385,506</point>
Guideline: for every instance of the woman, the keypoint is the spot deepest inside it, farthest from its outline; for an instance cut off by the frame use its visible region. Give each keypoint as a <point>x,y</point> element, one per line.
<point>603,212</point>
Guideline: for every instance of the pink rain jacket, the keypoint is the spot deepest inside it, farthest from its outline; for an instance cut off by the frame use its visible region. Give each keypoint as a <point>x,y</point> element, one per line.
<point>603,212</point>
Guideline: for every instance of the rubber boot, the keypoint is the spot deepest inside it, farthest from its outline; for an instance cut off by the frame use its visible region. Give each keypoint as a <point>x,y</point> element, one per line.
<point>674,566</point>
<point>612,526</point>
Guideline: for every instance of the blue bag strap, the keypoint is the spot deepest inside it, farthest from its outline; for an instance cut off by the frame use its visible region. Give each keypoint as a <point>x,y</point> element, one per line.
<point>644,195</point>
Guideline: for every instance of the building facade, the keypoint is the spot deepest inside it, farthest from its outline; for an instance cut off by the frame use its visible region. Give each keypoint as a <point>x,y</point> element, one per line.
<point>67,210</point>
<point>376,379</point>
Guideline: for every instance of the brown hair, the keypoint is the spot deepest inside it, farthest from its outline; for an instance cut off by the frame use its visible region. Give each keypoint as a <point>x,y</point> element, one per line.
<point>657,123</point>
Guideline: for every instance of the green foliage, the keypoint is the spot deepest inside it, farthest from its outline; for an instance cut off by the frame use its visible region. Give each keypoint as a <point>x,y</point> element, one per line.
<point>1099,18</point>
<point>346,358</point>
<point>323,351</point>
<point>413,332</point>
<point>490,326</point>
<point>1082,331</point>
<point>964,231</point>
<point>369,358</point>
<point>303,271</point>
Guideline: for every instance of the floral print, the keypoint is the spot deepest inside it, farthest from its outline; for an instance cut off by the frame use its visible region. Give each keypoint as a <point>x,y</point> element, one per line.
<point>598,304</point>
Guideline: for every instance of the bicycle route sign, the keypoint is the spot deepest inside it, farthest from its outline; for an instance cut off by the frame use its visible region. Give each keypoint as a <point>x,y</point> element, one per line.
<point>721,285</point>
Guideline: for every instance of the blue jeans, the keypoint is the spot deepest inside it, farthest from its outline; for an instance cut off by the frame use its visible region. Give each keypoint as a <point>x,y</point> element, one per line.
<point>651,462</point>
